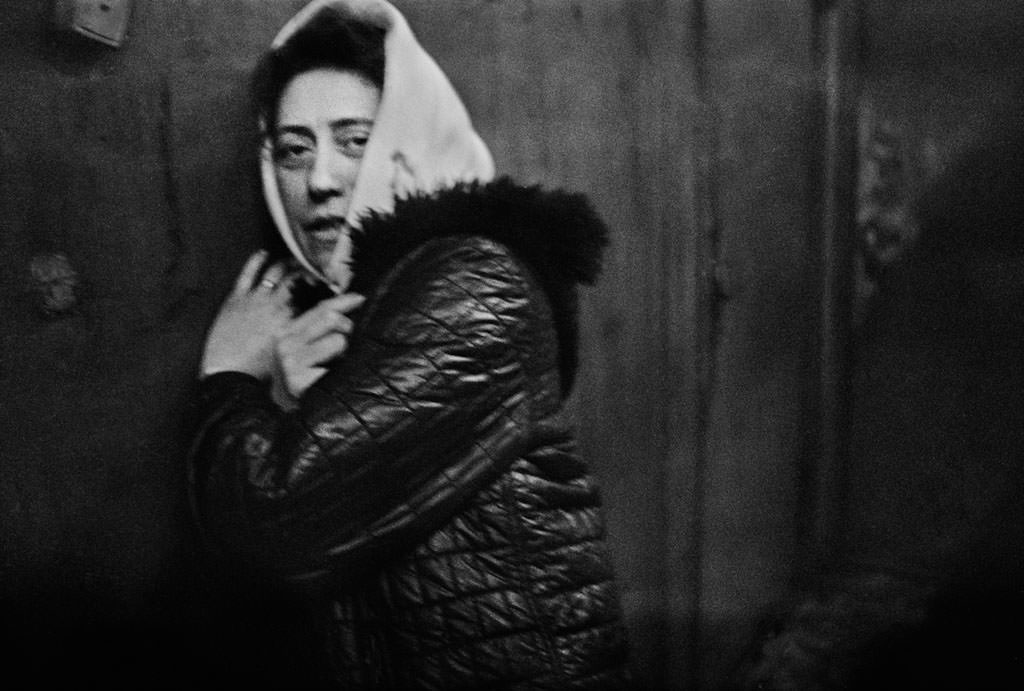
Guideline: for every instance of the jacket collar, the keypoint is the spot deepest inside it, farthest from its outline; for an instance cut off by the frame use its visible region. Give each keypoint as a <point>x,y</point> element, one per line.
<point>556,233</point>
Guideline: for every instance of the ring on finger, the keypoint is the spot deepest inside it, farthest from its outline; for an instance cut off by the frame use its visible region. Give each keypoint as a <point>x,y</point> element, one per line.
<point>270,285</point>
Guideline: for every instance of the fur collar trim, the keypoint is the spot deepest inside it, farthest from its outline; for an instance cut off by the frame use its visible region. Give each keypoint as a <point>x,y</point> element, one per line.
<point>556,233</point>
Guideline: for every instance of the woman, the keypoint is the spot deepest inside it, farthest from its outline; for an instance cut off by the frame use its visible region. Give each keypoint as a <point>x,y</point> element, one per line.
<point>405,454</point>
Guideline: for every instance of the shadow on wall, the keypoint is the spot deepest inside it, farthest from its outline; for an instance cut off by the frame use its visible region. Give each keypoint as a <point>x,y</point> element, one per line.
<point>930,595</point>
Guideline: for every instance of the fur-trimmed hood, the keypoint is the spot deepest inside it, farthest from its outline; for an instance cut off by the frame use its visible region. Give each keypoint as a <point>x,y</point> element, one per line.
<point>557,234</point>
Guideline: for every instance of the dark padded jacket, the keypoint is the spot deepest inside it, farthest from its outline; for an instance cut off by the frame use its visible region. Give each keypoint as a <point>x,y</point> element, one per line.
<point>428,483</point>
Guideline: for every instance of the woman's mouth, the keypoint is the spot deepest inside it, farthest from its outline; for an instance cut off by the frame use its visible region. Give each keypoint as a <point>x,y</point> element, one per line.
<point>323,232</point>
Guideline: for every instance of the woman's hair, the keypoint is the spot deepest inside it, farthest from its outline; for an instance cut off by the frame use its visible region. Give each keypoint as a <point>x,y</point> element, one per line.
<point>327,40</point>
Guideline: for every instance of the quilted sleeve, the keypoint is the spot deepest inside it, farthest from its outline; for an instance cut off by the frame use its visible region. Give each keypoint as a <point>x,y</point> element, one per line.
<point>425,408</point>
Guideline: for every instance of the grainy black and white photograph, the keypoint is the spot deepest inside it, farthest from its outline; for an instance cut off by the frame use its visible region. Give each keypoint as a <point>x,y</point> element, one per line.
<point>512,344</point>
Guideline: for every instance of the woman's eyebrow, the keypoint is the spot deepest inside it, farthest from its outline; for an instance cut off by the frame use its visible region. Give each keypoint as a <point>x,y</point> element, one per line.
<point>349,122</point>
<point>334,124</point>
<point>294,129</point>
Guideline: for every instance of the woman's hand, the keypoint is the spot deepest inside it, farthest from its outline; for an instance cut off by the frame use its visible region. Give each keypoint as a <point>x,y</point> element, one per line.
<point>256,312</point>
<point>307,343</point>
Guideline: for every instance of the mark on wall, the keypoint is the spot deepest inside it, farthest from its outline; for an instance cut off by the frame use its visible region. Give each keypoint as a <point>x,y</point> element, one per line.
<point>55,283</point>
<point>892,169</point>
<point>105,21</point>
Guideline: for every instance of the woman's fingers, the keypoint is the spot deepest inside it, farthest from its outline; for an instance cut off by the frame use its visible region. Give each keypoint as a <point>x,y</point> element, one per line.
<point>338,269</point>
<point>330,315</point>
<point>326,348</point>
<point>331,323</point>
<point>248,274</point>
<point>313,339</point>
<point>346,302</point>
<point>275,273</point>
<point>319,323</point>
<point>297,357</point>
<point>273,279</point>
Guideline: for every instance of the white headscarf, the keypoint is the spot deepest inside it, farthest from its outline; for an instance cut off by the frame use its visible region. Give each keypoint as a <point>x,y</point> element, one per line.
<point>422,138</point>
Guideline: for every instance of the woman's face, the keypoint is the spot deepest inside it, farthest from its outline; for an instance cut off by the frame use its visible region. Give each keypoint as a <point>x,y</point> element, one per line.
<point>324,120</point>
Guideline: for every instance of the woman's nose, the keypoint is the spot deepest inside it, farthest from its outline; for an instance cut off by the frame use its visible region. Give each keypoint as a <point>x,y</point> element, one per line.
<point>325,175</point>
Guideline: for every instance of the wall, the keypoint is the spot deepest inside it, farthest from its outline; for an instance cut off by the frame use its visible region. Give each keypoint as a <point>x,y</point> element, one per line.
<point>937,410</point>
<point>134,166</point>
<point>694,125</point>
<point>916,497</point>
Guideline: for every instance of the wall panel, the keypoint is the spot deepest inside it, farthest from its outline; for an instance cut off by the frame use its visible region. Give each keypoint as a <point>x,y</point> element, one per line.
<point>690,124</point>
<point>761,74</point>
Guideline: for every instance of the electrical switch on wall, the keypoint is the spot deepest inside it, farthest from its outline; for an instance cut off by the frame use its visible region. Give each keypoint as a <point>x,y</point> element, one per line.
<point>105,21</point>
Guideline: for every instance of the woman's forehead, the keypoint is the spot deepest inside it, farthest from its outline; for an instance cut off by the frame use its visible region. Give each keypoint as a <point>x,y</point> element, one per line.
<point>326,96</point>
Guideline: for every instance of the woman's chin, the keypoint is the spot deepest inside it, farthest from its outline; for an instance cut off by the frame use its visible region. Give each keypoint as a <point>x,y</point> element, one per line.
<point>322,261</point>
<point>318,258</point>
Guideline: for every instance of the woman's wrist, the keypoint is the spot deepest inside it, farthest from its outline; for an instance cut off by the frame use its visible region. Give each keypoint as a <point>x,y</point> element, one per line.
<point>280,395</point>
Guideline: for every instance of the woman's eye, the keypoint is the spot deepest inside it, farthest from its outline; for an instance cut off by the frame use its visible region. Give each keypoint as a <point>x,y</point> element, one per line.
<point>353,144</point>
<point>292,154</point>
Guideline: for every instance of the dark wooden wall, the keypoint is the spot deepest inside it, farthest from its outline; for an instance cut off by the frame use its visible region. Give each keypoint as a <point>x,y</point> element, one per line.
<point>697,128</point>
<point>937,409</point>
<point>911,540</point>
